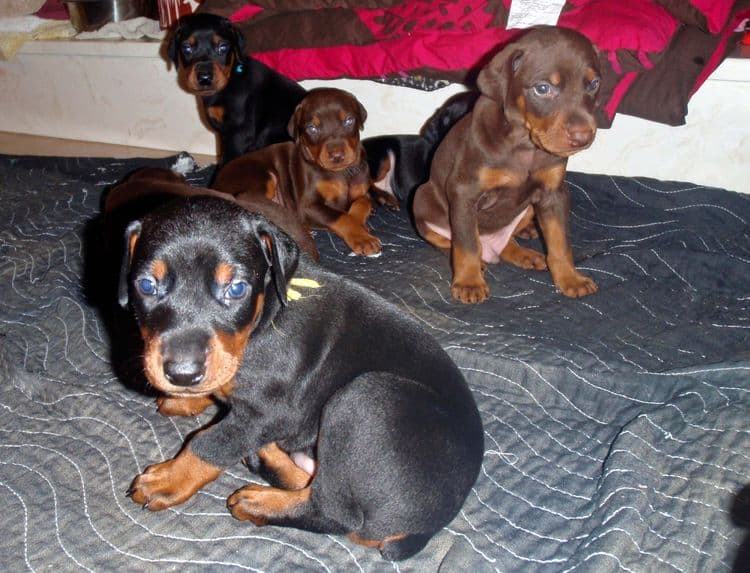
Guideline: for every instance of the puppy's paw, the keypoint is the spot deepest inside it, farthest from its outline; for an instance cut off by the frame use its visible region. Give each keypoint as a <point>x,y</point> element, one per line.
<point>470,293</point>
<point>576,285</point>
<point>170,406</point>
<point>387,199</point>
<point>171,482</point>
<point>364,244</point>
<point>248,503</point>
<point>528,232</point>
<point>158,487</point>
<point>523,257</point>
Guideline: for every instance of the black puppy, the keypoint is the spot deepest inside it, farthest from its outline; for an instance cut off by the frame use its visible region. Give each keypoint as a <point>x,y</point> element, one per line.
<point>331,373</point>
<point>244,101</point>
<point>400,163</point>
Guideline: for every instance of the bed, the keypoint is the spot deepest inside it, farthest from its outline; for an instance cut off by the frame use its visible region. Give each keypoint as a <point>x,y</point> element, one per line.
<point>616,426</point>
<point>654,54</point>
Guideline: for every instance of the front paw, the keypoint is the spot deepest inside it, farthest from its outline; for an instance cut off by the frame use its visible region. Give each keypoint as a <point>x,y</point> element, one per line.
<point>576,285</point>
<point>172,482</point>
<point>364,244</point>
<point>387,199</point>
<point>158,487</point>
<point>470,292</point>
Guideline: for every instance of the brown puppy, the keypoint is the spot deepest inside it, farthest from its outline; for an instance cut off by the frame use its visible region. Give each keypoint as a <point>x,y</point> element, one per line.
<point>503,164</point>
<point>322,176</point>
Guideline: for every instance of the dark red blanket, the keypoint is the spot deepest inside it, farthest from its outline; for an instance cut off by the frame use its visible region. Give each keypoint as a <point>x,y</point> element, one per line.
<point>655,53</point>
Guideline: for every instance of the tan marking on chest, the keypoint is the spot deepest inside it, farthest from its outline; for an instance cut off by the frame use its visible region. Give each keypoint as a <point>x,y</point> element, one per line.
<point>491,177</point>
<point>358,190</point>
<point>331,190</point>
<point>216,112</point>
<point>550,177</point>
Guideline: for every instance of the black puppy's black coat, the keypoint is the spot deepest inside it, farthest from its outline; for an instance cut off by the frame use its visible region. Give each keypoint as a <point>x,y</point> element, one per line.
<point>244,101</point>
<point>339,374</point>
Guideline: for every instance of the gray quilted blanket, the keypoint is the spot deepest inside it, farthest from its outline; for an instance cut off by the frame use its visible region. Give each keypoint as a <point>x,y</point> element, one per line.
<point>617,427</point>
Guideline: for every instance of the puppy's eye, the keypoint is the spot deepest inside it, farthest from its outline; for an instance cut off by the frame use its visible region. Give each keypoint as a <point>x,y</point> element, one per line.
<point>222,48</point>
<point>187,48</point>
<point>146,286</point>
<point>593,85</point>
<point>237,290</point>
<point>312,129</point>
<point>349,121</point>
<point>542,89</point>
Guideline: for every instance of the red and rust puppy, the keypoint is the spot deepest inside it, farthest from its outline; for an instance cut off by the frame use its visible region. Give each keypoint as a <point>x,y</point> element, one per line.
<point>322,176</point>
<point>244,101</point>
<point>504,163</point>
<point>390,434</point>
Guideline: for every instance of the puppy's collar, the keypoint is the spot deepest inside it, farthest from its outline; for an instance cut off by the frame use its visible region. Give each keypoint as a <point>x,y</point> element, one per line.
<point>293,294</point>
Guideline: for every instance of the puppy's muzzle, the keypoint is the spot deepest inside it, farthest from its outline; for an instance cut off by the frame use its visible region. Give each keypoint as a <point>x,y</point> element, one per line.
<point>580,136</point>
<point>184,358</point>
<point>336,153</point>
<point>204,74</point>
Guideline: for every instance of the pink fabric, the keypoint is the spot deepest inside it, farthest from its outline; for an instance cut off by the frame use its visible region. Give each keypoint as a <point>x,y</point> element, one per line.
<point>492,244</point>
<point>622,87</point>
<point>716,12</point>
<point>637,25</point>
<point>437,50</point>
<point>457,35</point>
<point>718,55</point>
<point>245,13</point>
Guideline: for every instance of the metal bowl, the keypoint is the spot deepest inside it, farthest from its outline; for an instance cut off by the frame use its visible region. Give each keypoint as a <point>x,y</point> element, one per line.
<point>87,15</point>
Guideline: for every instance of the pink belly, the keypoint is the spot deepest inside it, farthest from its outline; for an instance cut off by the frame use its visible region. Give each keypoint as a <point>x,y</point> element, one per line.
<point>492,243</point>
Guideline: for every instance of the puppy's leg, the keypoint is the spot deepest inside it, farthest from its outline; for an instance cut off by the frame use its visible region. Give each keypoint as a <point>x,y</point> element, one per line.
<point>286,473</point>
<point>172,482</point>
<point>553,211</point>
<point>351,227</point>
<point>519,256</point>
<point>468,284</point>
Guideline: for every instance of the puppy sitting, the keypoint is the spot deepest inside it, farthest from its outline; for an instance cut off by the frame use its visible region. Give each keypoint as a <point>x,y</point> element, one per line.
<point>503,164</point>
<point>244,101</point>
<point>322,176</point>
<point>393,429</point>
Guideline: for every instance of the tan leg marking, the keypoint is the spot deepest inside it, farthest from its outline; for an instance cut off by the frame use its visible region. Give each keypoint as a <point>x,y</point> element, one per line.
<point>172,482</point>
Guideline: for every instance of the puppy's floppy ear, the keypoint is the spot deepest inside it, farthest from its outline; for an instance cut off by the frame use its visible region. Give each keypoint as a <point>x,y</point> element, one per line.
<point>172,46</point>
<point>291,127</point>
<point>362,114</point>
<point>238,41</point>
<point>495,77</point>
<point>132,233</point>
<point>280,251</point>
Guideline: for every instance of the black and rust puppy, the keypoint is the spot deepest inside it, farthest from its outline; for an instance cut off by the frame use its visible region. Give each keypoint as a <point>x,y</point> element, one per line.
<point>504,163</point>
<point>391,428</point>
<point>244,101</point>
<point>400,163</point>
<point>322,175</point>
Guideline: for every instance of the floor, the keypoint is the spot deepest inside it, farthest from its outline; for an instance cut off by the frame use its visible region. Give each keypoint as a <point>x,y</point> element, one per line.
<point>21,144</point>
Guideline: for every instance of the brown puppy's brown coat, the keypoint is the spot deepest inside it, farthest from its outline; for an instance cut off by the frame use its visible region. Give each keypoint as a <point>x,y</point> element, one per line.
<point>503,163</point>
<point>322,176</point>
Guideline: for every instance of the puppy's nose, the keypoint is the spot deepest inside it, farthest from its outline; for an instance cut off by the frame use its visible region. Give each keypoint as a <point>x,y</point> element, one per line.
<point>185,372</point>
<point>336,155</point>
<point>184,357</point>
<point>205,77</point>
<point>580,136</point>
